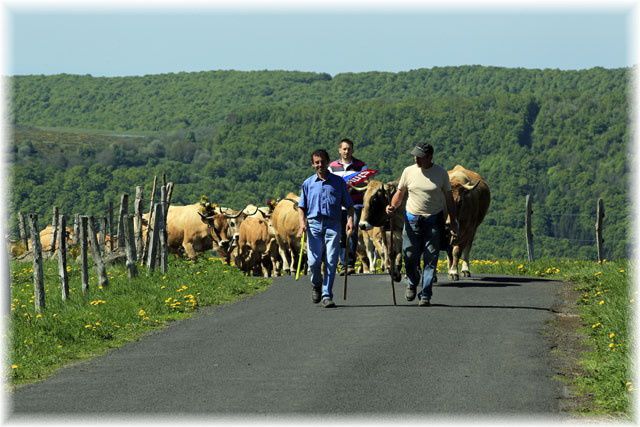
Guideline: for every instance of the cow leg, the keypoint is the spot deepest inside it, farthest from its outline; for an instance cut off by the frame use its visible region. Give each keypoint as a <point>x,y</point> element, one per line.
<point>465,257</point>
<point>189,250</point>
<point>284,254</point>
<point>453,256</point>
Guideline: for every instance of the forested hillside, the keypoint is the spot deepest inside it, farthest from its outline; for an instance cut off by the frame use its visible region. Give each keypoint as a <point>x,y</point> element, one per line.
<point>241,137</point>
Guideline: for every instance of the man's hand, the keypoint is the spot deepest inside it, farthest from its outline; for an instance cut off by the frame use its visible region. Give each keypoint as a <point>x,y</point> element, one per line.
<point>390,209</point>
<point>302,228</point>
<point>349,227</point>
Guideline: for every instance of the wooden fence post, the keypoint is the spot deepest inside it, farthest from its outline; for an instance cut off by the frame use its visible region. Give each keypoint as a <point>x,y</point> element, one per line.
<point>84,268</point>
<point>527,226</point>
<point>54,234</point>
<point>38,272</point>
<point>150,221</point>
<point>110,221</point>
<point>102,234</point>
<point>163,236</point>
<point>103,280</point>
<point>22,230</point>
<point>137,222</point>
<point>62,258</point>
<point>599,240</point>
<point>76,228</point>
<point>124,210</point>
<point>129,245</point>
<point>153,239</point>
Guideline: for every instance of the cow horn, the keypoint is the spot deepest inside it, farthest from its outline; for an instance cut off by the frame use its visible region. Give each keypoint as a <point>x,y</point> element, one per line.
<point>469,186</point>
<point>208,218</point>
<point>360,188</point>
<point>233,216</point>
<point>254,212</point>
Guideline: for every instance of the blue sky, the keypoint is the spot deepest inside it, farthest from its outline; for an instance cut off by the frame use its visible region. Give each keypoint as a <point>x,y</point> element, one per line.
<point>151,41</point>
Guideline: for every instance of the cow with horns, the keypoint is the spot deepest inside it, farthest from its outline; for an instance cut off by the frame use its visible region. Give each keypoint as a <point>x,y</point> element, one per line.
<point>471,197</point>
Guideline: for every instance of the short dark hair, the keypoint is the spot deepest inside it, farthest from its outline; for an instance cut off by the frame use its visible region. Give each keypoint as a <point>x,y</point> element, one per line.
<point>321,152</point>
<point>347,140</point>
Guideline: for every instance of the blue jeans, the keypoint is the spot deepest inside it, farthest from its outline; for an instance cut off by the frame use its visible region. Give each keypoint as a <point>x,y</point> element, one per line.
<point>323,244</point>
<point>421,236</point>
<point>353,239</point>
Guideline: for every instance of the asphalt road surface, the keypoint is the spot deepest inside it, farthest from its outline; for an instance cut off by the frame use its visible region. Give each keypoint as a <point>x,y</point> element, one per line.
<point>478,350</point>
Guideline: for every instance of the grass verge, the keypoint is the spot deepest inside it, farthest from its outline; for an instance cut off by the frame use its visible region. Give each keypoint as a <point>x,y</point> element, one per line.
<point>88,325</point>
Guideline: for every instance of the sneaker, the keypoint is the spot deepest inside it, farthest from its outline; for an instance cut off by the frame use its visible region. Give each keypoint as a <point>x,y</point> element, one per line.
<point>316,295</point>
<point>328,303</point>
<point>424,302</point>
<point>410,293</point>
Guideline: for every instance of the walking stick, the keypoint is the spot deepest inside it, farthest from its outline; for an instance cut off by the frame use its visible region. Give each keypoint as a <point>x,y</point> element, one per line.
<point>346,265</point>
<point>300,257</point>
<point>391,259</point>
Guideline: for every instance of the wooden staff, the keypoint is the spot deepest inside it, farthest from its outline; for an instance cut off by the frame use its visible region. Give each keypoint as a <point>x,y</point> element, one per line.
<point>346,266</point>
<point>391,259</point>
<point>300,257</point>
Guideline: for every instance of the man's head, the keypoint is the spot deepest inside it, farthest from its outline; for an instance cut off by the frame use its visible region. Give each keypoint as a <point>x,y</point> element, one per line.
<point>320,160</point>
<point>345,149</point>
<point>423,152</point>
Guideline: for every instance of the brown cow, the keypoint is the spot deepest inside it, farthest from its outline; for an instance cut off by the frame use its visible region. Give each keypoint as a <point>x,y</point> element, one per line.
<point>376,198</point>
<point>286,222</point>
<point>257,247</point>
<point>192,231</point>
<point>472,197</point>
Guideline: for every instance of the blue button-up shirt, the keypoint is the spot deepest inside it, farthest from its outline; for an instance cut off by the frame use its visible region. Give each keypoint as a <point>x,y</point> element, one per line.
<point>324,198</point>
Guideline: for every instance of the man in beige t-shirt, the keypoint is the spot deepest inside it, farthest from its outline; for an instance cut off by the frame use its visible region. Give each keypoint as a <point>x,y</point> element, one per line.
<point>429,200</point>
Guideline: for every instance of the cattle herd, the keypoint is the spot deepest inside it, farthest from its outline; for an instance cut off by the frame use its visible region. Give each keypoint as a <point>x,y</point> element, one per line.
<point>262,240</point>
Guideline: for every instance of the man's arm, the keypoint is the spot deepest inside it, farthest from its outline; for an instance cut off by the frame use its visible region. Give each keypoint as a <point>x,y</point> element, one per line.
<point>396,201</point>
<point>302,218</point>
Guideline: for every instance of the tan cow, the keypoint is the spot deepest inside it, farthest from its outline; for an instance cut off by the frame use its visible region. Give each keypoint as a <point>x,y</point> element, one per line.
<point>194,229</point>
<point>286,222</point>
<point>257,247</point>
<point>46,238</point>
<point>472,197</point>
<point>376,198</point>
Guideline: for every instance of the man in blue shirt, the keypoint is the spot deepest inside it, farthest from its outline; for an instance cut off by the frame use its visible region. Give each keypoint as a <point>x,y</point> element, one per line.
<point>320,209</point>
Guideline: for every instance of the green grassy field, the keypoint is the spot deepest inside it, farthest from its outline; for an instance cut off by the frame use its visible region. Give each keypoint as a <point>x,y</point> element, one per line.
<point>85,326</point>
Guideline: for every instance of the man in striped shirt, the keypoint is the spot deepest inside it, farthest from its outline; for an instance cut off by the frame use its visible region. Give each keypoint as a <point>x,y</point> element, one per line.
<point>345,165</point>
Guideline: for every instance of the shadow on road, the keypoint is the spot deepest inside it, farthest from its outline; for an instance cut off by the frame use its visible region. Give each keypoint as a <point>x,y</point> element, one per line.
<point>413,305</point>
<point>463,284</point>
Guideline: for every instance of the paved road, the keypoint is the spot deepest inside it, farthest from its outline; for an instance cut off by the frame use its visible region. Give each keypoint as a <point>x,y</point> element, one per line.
<point>478,350</point>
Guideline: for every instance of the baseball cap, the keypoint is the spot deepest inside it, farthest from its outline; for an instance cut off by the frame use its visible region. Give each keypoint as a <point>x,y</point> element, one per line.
<point>422,149</point>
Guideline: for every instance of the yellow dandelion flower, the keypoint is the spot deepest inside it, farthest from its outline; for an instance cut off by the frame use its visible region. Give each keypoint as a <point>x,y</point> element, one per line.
<point>612,335</point>
<point>597,273</point>
<point>621,270</point>
<point>14,366</point>
<point>88,326</point>
<point>601,302</point>
<point>612,345</point>
<point>596,325</point>
<point>629,386</point>
<point>38,316</point>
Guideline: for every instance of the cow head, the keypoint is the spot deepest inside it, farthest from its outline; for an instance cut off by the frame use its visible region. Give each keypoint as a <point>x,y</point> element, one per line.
<point>219,229</point>
<point>234,219</point>
<point>376,198</point>
<point>461,187</point>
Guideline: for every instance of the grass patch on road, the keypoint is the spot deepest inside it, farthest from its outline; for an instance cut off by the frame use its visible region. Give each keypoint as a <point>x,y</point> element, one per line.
<point>85,326</point>
<point>605,304</point>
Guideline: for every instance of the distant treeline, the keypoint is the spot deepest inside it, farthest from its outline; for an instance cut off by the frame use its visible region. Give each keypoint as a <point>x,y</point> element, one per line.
<point>242,137</point>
